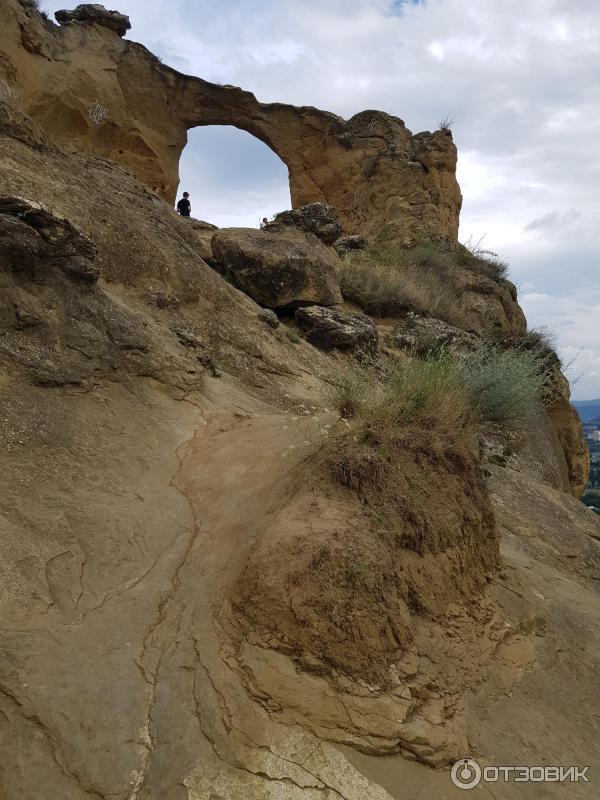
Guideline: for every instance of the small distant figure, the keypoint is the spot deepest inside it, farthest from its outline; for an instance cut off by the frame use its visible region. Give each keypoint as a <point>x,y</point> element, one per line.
<point>184,207</point>
<point>264,223</point>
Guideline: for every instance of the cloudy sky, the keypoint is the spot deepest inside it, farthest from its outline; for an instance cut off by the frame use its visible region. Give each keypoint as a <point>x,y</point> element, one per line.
<point>521,81</point>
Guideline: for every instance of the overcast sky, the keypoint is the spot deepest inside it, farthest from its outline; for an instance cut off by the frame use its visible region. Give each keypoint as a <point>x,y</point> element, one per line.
<point>521,79</point>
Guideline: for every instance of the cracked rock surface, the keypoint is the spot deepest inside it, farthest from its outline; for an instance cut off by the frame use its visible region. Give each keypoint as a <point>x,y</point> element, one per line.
<point>139,494</point>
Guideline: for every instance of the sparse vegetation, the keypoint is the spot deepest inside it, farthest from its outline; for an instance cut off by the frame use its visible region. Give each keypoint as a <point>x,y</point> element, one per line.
<point>427,392</point>
<point>446,123</point>
<point>387,280</point>
<point>349,396</point>
<point>504,386</point>
<point>538,340</point>
<point>472,256</point>
<point>292,336</point>
<point>451,395</point>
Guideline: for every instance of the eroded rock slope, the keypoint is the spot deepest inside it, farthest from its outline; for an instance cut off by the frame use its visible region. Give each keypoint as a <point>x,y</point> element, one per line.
<point>195,603</point>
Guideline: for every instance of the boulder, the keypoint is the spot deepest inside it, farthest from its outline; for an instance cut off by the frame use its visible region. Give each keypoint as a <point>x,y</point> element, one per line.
<point>90,13</point>
<point>318,218</point>
<point>269,317</point>
<point>348,244</point>
<point>34,240</point>
<point>281,268</point>
<point>423,335</point>
<point>328,329</point>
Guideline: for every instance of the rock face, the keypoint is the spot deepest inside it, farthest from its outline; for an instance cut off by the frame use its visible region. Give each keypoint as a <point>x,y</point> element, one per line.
<point>90,14</point>
<point>192,604</point>
<point>90,89</point>
<point>426,335</point>
<point>482,303</point>
<point>329,329</point>
<point>33,240</point>
<point>282,268</point>
<point>567,424</point>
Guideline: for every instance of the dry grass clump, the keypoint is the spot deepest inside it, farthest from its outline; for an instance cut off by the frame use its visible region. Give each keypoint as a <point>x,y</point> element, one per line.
<point>387,280</point>
<point>472,256</point>
<point>454,396</point>
<point>426,393</point>
<point>350,395</point>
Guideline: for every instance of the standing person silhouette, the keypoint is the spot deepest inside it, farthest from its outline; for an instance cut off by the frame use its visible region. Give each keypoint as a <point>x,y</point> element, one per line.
<point>184,207</point>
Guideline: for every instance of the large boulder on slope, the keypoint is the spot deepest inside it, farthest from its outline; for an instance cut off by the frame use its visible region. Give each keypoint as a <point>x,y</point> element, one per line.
<point>281,268</point>
<point>328,329</point>
<point>318,218</point>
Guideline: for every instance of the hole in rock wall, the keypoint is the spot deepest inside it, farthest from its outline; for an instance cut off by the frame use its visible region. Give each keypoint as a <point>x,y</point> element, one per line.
<point>233,178</point>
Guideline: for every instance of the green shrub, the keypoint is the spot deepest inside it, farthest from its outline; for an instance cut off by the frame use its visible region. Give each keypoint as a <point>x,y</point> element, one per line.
<point>504,386</point>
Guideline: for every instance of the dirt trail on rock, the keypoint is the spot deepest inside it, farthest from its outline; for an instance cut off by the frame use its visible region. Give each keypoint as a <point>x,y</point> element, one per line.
<point>121,675</point>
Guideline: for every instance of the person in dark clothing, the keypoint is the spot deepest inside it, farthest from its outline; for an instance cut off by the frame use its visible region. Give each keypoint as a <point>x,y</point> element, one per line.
<point>184,207</point>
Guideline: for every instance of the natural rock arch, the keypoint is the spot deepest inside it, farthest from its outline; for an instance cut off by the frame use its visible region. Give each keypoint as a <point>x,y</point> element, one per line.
<point>234,178</point>
<point>98,92</point>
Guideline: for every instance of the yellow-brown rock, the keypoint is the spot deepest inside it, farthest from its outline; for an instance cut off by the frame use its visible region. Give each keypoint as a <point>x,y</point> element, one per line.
<point>567,424</point>
<point>90,89</point>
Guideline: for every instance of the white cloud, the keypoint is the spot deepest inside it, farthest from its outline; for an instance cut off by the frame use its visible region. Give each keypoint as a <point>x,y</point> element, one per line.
<point>553,222</point>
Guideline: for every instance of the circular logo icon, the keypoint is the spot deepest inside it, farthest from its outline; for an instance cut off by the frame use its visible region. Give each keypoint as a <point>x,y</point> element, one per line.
<point>466,774</point>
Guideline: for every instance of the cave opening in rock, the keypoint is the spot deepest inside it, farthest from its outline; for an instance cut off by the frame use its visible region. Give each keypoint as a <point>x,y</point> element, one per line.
<point>233,178</point>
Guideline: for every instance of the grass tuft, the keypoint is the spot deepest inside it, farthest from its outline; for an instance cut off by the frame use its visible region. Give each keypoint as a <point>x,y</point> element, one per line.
<point>292,336</point>
<point>386,280</point>
<point>450,395</point>
<point>504,386</point>
<point>446,123</point>
<point>350,396</point>
<point>472,256</point>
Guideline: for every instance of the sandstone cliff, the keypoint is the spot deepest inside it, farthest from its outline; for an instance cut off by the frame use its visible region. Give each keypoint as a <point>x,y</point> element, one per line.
<point>192,605</point>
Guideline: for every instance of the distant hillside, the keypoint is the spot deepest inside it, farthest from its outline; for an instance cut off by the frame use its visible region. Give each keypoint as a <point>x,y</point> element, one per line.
<point>589,410</point>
